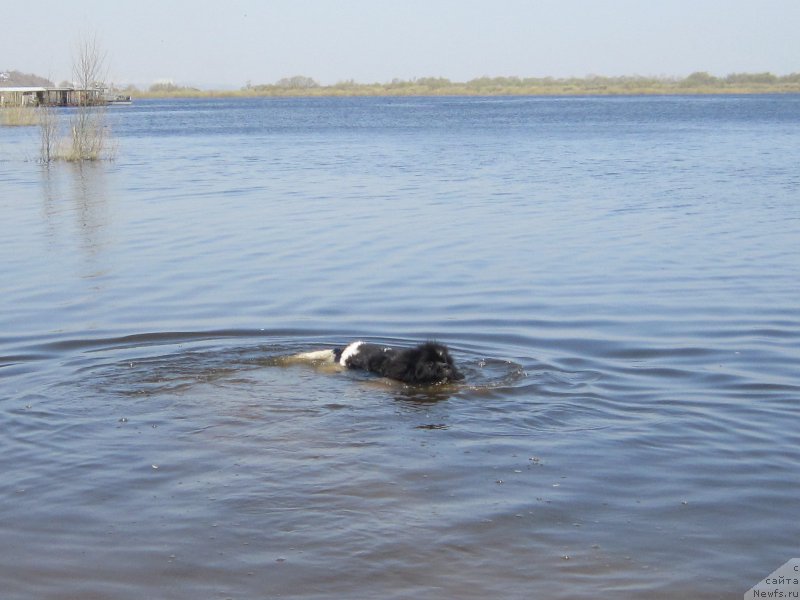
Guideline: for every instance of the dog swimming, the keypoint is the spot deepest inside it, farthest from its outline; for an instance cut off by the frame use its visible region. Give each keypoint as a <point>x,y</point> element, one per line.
<point>428,363</point>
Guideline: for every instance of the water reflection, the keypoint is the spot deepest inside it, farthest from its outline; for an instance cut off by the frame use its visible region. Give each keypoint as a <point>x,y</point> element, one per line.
<point>422,396</point>
<point>76,212</point>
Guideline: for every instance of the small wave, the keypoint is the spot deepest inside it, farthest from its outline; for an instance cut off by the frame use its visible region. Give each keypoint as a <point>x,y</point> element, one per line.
<point>128,364</point>
<point>520,397</point>
<point>158,339</point>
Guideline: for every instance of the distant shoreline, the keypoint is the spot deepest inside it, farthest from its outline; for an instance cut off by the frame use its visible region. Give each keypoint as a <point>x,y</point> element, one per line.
<point>332,93</point>
<point>303,87</point>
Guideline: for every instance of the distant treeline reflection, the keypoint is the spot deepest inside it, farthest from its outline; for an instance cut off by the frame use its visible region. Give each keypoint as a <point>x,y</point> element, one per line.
<point>696,83</point>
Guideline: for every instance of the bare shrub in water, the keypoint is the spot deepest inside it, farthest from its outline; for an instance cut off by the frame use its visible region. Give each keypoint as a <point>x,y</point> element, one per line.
<point>48,129</point>
<point>88,126</point>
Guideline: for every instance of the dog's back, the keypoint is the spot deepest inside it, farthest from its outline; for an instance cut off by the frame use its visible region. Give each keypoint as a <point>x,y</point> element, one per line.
<point>426,364</point>
<point>368,357</point>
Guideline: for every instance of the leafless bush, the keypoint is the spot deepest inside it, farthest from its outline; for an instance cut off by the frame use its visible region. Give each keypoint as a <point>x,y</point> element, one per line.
<point>88,126</point>
<point>48,128</point>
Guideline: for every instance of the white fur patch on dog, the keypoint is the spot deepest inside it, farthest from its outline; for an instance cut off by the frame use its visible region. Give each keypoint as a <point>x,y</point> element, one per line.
<point>349,351</point>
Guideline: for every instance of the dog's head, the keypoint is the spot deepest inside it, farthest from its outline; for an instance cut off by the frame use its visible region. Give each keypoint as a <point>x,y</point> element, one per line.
<point>431,363</point>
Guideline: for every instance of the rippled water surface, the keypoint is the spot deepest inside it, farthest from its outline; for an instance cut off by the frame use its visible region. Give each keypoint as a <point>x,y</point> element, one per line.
<point>617,277</point>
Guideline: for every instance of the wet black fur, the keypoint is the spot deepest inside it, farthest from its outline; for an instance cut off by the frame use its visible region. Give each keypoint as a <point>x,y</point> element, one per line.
<point>426,364</point>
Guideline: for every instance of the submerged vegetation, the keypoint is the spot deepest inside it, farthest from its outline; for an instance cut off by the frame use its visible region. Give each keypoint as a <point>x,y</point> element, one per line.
<point>21,116</point>
<point>696,83</point>
<point>88,138</point>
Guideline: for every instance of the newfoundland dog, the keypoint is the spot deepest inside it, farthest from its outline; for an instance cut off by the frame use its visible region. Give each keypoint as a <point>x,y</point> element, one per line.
<point>425,364</point>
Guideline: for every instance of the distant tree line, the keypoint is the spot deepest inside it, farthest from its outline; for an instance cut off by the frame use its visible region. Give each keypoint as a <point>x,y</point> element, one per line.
<point>592,84</point>
<point>19,79</point>
<point>697,83</point>
<point>167,88</point>
<point>701,78</point>
<point>300,85</point>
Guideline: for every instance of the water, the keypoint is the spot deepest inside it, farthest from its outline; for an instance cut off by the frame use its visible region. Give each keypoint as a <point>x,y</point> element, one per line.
<point>617,277</point>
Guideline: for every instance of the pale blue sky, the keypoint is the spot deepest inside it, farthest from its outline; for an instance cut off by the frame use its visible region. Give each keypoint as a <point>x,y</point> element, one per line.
<point>205,42</point>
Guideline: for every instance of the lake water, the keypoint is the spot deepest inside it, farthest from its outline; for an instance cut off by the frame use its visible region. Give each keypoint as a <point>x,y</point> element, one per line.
<point>619,278</point>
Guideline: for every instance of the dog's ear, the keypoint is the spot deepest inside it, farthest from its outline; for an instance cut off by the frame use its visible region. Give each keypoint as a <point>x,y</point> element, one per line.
<point>433,351</point>
<point>442,353</point>
<point>435,365</point>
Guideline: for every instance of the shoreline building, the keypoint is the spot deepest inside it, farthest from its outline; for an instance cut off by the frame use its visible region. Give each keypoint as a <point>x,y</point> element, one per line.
<point>57,96</point>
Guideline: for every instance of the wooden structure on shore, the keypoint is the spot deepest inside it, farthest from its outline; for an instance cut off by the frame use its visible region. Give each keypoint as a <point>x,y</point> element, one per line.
<point>57,96</point>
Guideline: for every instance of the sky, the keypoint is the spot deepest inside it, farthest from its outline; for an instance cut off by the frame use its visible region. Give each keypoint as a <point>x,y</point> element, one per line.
<point>209,43</point>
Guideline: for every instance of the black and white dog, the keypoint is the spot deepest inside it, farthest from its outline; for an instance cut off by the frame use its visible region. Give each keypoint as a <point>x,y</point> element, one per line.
<point>426,364</point>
